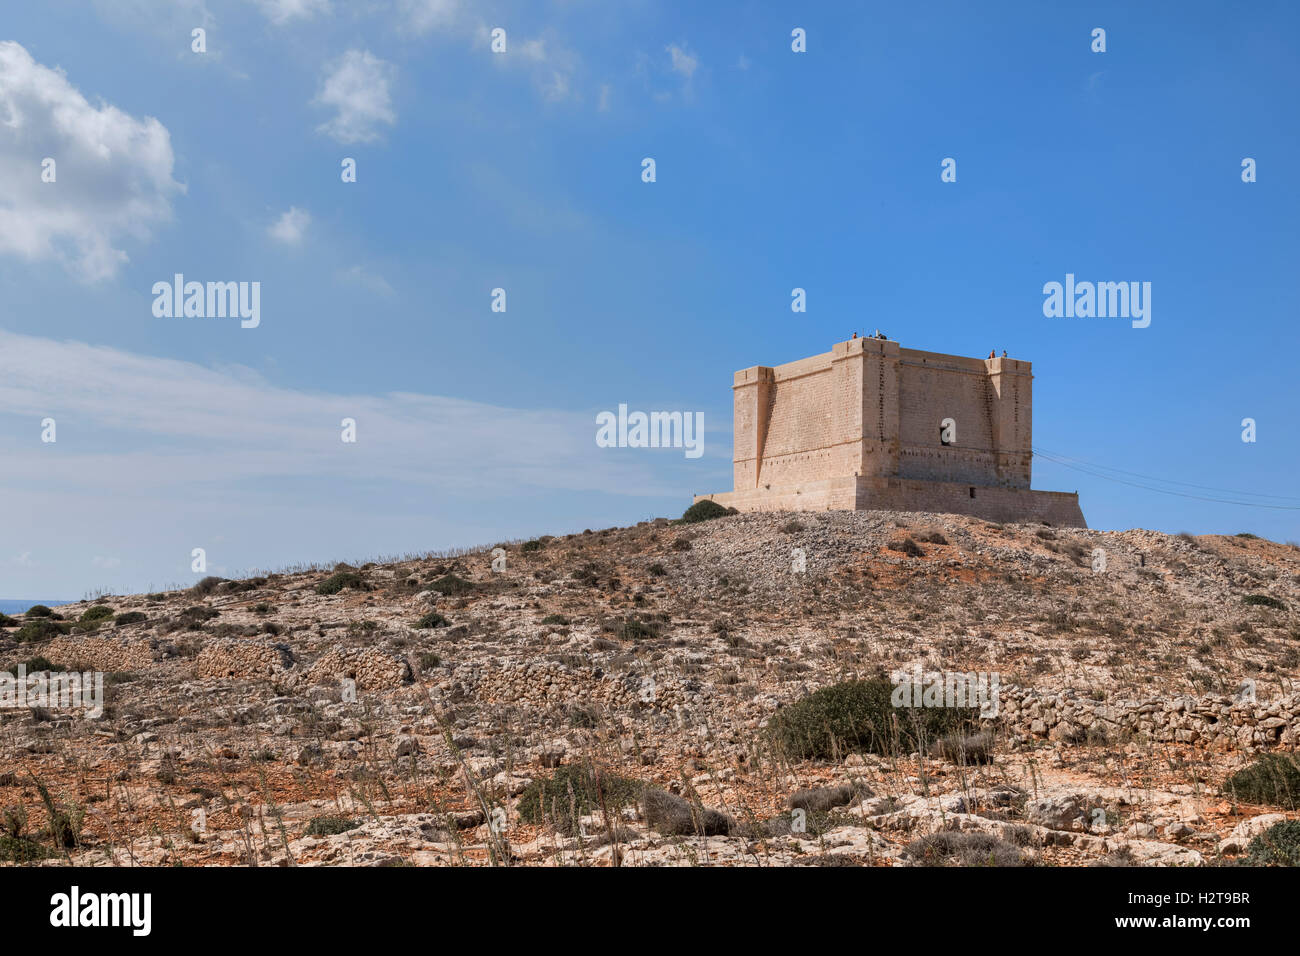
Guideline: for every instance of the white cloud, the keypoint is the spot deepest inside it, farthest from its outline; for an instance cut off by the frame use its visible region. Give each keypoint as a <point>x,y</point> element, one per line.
<point>369,280</point>
<point>168,21</point>
<point>289,228</point>
<point>682,61</point>
<point>547,62</point>
<point>555,86</point>
<point>24,559</point>
<point>282,11</point>
<point>108,563</point>
<point>550,65</point>
<point>425,15</point>
<point>534,50</point>
<point>356,86</point>
<point>113,172</point>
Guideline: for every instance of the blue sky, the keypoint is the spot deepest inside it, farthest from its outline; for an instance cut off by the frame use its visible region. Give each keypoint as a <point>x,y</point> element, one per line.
<point>522,171</point>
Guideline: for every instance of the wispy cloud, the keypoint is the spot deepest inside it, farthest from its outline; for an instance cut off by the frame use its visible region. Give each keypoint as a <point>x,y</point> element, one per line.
<point>356,275</point>
<point>172,424</point>
<point>356,86</point>
<point>683,63</point>
<point>670,74</point>
<point>291,226</point>
<point>280,12</point>
<point>423,16</point>
<point>549,63</point>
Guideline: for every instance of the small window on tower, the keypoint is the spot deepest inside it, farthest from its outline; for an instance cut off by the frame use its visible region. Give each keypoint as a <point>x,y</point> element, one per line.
<point>972,492</point>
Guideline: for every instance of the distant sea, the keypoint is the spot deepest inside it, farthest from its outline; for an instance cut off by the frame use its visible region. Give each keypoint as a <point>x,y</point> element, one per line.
<point>17,607</point>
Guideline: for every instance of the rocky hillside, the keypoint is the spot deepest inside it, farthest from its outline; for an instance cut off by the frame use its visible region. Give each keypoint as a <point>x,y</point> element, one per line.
<point>616,696</point>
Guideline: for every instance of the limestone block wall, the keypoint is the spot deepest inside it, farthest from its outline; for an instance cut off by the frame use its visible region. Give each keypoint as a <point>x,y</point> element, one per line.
<point>831,494</point>
<point>929,393</point>
<point>799,445</point>
<point>751,395</point>
<point>1058,508</point>
<point>984,398</point>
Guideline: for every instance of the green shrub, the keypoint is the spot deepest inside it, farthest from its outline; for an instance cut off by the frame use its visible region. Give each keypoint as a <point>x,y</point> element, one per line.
<point>533,545</point>
<point>1273,779</point>
<point>429,660</point>
<point>555,619</point>
<point>7,621</point>
<point>339,580</point>
<point>132,617</point>
<point>824,799</point>
<point>38,663</point>
<point>328,826</point>
<point>1279,845</point>
<point>1263,600</point>
<point>657,570</point>
<point>40,629</point>
<point>704,511</point>
<point>452,585</point>
<point>39,610</point>
<point>97,612</point>
<point>251,584</point>
<point>64,821</point>
<point>860,716</point>
<point>965,749</point>
<point>908,547</point>
<point>22,850</point>
<point>207,585</point>
<point>963,848</point>
<point>574,791</point>
<point>432,619</point>
<point>193,616</point>
<point>583,717</point>
<point>631,629</point>
<point>672,815</point>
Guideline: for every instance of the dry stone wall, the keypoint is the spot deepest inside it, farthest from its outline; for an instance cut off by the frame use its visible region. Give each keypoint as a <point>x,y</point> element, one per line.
<point>1214,722</point>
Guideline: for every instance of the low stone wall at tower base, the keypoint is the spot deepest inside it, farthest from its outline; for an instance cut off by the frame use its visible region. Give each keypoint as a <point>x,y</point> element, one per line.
<point>831,494</point>
<point>1058,508</point>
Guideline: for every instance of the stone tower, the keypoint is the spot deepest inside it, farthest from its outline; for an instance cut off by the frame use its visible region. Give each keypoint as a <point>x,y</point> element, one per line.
<point>872,425</point>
